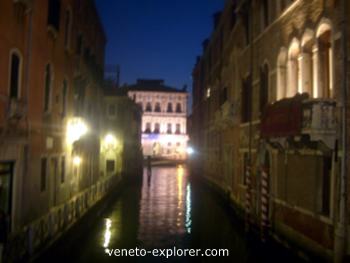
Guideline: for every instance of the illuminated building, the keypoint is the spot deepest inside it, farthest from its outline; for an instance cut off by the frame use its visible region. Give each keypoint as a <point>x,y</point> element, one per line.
<point>164,119</point>
<point>268,94</point>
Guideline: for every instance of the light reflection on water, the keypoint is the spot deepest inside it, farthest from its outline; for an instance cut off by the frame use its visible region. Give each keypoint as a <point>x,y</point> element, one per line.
<point>165,207</point>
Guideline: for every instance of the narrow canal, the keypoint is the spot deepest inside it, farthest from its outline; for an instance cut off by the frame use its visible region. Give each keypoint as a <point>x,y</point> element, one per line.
<point>168,210</point>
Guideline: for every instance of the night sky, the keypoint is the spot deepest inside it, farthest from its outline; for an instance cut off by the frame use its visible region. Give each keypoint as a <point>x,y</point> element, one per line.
<point>156,38</point>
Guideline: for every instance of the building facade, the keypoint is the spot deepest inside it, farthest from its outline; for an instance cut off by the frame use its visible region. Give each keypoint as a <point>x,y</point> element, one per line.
<point>164,119</point>
<point>121,150</point>
<point>51,94</point>
<point>268,123</point>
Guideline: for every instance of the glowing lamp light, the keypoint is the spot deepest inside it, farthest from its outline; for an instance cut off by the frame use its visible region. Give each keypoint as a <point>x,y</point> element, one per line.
<point>76,160</point>
<point>110,139</point>
<point>76,128</point>
<point>190,150</point>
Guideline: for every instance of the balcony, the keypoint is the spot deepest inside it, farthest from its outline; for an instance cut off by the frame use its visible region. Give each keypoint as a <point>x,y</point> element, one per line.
<point>319,121</point>
<point>298,116</point>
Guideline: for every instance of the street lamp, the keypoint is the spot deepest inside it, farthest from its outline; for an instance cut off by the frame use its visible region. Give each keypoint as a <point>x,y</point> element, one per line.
<point>76,128</point>
<point>76,160</point>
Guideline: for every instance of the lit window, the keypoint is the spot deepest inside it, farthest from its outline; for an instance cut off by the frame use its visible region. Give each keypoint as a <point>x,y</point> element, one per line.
<point>148,107</point>
<point>148,128</point>
<point>156,128</point>
<point>208,92</point>
<point>293,77</point>
<point>157,107</point>
<point>325,85</point>
<point>178,128</point>
<point>169,128</point>
<point>178,108</point>
<point>170,107</point>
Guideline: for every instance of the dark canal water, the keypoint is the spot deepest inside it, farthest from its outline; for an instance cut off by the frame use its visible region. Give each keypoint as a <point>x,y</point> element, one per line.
<point>167,210</point>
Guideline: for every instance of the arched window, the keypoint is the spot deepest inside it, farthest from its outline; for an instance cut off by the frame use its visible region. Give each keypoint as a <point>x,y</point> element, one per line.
<point>157,107</point>
<point>67,28</point>
<point>170,107</point>
<point>264,87</point>
<point>15,75</point>
<point>265,13</point>
<point>169,128</point>
<point>156,128</point>
<point>281,75</point>
<point>178,128</point>
<point>293,77</point>
<point>325,51</point>
<point>64,98</point>
<point>306,63</point>
<point>148,128</point>
<point>48,84</point>
<point>178,108</point>
<point>148,107</point>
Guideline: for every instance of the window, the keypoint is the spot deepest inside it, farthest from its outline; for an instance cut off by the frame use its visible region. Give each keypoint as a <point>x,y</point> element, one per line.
<point>169,128</point>
<point>67,28</point>
<point>110,166</point>
<point>178,108</point>
<point>264,87</point>
<point>47,95</point>
<point>53,18</point>
<point>170,107</point>
<point>208,93</point>
<point>79,47</point>
<point>156,128</point>
<point>63,169</point>
<point>111,110</point>
<point>281,74</point>
<point>43,174</point>
<point>293,77</point>
<point>15,75</point>
<point>178,128</point>
<point>265,13</point>
<point>307,62</point>
<point>148,128</point>
<point>140,105</point>
<point>233,15</point>
<point>148,107</point>
<point>246,103</point>
<point>325,52</point>
<point>64,98</point>
<point>157,107</point>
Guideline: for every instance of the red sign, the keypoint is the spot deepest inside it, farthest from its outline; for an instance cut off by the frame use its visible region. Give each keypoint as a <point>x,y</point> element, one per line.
<point>283,118</point>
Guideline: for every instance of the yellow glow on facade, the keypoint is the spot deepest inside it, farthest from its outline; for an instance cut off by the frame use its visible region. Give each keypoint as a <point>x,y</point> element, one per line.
<point>76,128</point>
<point>110,140</point>
<point>77,160</point>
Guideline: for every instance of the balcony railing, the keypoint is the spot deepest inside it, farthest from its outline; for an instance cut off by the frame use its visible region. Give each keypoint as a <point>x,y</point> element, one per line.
<point>299,116</point>
<point>319,120</point>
